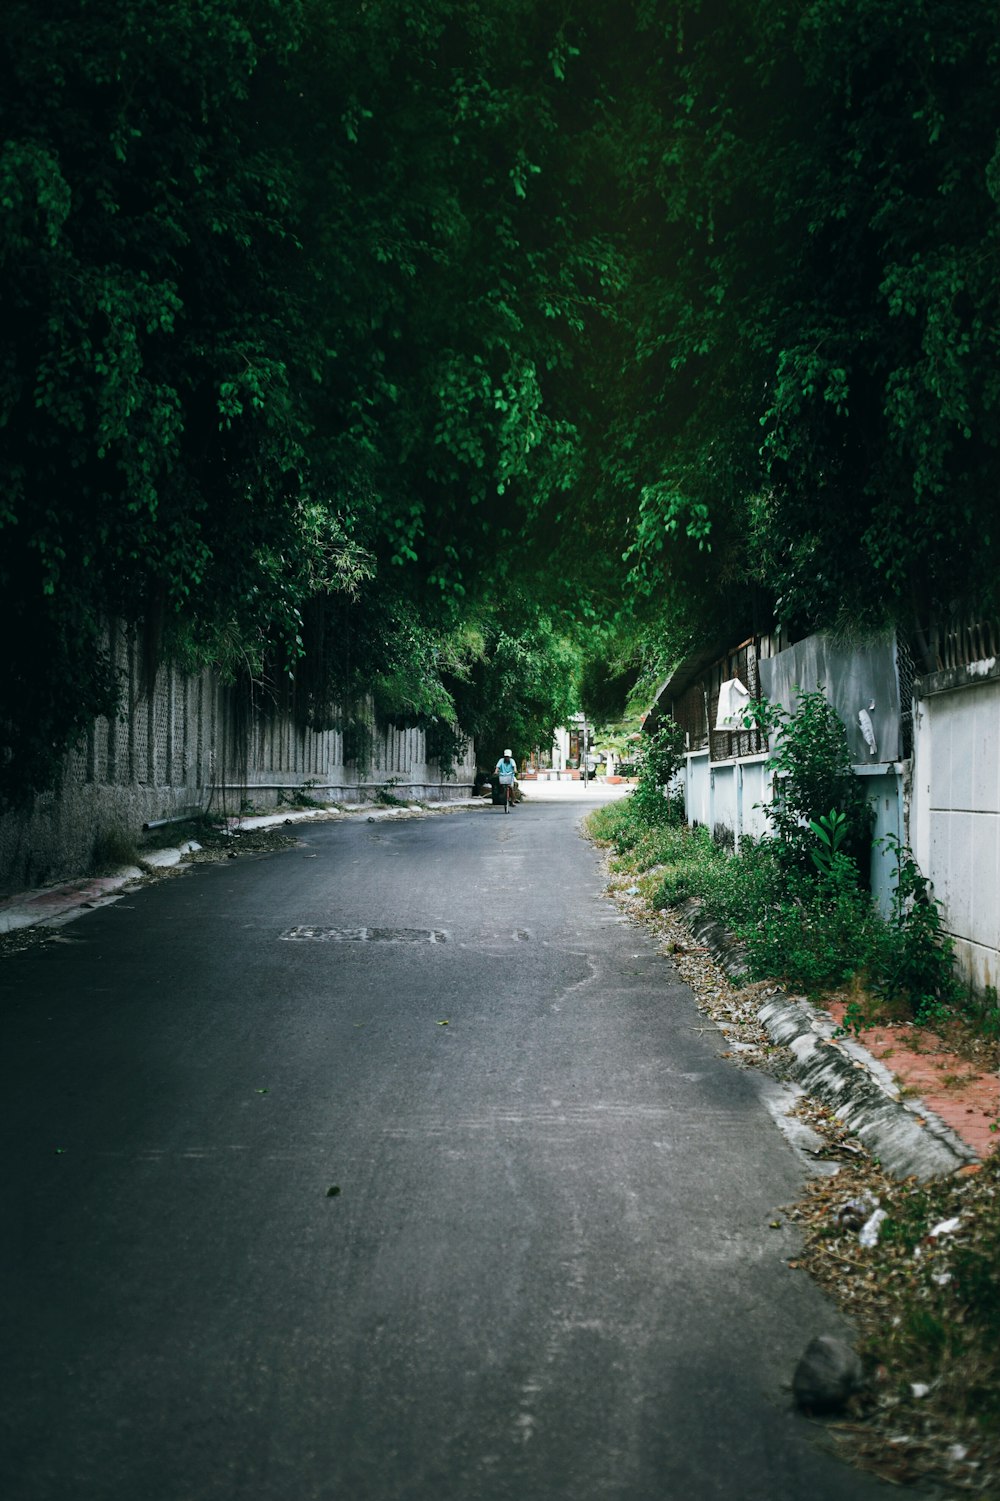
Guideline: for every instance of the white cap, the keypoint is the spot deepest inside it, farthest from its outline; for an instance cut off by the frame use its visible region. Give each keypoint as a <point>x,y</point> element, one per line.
<point>508,752</point>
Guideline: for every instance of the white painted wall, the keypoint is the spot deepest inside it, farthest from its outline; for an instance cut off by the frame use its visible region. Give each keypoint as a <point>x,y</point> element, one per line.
<point>944,803</point>
<point>955,812</point>
<point>735,795</point>
<point>727,794</point>
<point>698,789</point>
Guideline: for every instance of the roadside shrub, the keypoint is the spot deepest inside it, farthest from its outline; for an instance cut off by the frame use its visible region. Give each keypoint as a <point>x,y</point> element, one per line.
<point>659,761</point>
<point>385,797</point>
<point>798,900</point>
<point>821,932</point>
<point>741,886</point>
<point>814,773</point>
<point>446,745</point>
<point>691,867</point>
<point>917,954</point>
<point>298,797</point>
<point>613,824</point>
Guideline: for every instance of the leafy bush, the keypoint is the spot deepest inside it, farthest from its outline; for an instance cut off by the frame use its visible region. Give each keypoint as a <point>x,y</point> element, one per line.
<point>797,900</point>
<point>298,797</point>
<point>659,761</point>
<point>917,954</point>
<point>607,825</point>
<point>821,933</point>
<point>740,886</point>
<point>385,797</point>
<point>690,870</point>
<point>812,760</point>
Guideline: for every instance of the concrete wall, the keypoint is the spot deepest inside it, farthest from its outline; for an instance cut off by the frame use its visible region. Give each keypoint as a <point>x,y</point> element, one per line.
<point>174,752</point>
<point>885,789</point>
<point>853,678</point>
<point>944,801</point>
<point>955,809</point>
<point>727,796</point>
<point>733,796</point>
<point>698,789</point>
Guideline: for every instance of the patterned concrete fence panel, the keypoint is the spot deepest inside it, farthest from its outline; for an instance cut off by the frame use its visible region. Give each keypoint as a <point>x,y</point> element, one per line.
<point>185,746</point>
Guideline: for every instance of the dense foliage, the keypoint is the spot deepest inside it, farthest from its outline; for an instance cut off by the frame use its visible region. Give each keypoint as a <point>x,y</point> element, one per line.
<point>817,931</point>
<point>817,791</point>
<point>280,305</point>
<point>798,899</point>
<point>813,377</point>
<point>154,465</point>
<point>659,759</point>
<point>329,322</point>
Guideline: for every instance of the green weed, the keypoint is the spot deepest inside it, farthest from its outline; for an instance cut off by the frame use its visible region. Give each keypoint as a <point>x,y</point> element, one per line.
<point>385,797</point>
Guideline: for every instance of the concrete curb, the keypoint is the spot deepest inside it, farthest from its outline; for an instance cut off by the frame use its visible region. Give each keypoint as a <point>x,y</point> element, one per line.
<point>908,1139</point>
<point>54,905</point>
<point>373,811</point>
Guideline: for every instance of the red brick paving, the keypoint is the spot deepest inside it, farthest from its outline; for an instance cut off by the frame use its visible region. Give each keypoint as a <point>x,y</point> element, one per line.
<point>966,1097</point>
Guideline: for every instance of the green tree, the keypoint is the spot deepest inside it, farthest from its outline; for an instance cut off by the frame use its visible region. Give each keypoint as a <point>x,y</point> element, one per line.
<point>806,399</point>
<point>521,686</point>
<point>154,463</point>
<point>288,295</point>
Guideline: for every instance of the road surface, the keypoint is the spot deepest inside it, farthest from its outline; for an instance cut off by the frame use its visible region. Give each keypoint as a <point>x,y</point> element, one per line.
<point>395,1167</point>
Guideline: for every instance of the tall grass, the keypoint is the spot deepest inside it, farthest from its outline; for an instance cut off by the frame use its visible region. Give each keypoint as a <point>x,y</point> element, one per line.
<point>815,930</point>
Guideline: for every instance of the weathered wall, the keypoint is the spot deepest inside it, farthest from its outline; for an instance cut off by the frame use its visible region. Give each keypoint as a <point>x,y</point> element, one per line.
<point>176,751</point>
<point>734,796</point>
<point>955,808</point>
<point>728,795</point>
<point>854,678</point>
<point>943,798</point>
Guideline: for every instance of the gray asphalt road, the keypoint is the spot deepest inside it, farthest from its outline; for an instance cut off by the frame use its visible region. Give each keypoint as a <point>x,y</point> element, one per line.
<point>548,1273</point>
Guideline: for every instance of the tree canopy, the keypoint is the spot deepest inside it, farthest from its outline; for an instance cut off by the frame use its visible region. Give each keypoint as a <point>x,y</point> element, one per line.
<point>279,318</point>
<point>808,394</point>
<point>359,344</point>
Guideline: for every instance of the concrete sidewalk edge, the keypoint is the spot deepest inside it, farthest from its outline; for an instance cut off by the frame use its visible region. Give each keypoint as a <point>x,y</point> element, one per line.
<point>51,906</point>
<point>908,1139</point>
